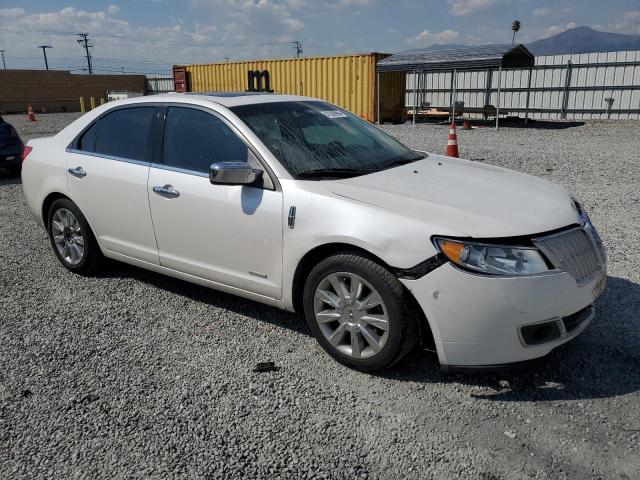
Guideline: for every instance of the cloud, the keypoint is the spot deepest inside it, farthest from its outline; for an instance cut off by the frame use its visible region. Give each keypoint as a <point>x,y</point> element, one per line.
<point>239,29</point>
<point>11,12</point>
<point>556,29</point>
<point>327,4</point>
<point>628,22</point>
<point>258,17</point>
<point>542,12</point>
<point>428,38</point>
<point>555,12</point>
<point>112,39</point>
<point>465,7</point>
<point>342,4</point>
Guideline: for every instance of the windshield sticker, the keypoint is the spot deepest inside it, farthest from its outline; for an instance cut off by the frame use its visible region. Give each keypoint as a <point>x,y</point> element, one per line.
<point>333,114</point>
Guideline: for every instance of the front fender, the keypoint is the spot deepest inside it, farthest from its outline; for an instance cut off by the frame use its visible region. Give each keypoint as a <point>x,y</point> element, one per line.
<point>323,218</point>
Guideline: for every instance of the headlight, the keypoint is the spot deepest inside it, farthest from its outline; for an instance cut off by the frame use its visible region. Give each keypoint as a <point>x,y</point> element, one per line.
<point>493,259</point>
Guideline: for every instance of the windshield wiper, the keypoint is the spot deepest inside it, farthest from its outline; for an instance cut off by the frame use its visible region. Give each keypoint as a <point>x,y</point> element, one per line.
<point>336,172</point>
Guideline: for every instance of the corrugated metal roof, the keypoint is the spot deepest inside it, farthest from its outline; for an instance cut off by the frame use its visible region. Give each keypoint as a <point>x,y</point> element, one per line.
<point>464,58</point>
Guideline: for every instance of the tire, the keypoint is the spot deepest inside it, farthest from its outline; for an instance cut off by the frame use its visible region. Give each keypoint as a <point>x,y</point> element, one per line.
<point>345,271</point>
<point>75,232</point>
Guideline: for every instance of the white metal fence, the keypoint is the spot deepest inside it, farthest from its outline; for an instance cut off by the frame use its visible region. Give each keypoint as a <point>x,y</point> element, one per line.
<point>590,85</point>
<point>159,83</point>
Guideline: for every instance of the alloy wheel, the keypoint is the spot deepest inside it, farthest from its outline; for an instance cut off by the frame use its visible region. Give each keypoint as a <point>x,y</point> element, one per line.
<point>67,236</point>
<point>351,315</point>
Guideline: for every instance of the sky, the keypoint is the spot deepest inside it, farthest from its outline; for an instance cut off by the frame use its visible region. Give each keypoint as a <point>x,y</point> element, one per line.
<point>148,36</point>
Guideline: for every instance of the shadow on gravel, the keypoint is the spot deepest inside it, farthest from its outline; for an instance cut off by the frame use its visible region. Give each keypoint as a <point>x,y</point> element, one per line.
<point>603,362</point>
<point>535,124</point>
<point>542,125</point>
<point>214,298</point>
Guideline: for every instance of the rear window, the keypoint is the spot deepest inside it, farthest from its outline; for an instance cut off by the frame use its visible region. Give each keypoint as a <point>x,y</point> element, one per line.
<point>126,133</point>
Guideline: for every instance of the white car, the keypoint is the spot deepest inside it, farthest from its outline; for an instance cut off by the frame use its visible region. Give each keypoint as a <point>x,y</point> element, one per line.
<point>296,203</point>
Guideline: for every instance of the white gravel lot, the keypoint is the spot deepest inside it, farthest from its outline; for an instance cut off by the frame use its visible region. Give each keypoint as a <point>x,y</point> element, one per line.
<point>131,374</point>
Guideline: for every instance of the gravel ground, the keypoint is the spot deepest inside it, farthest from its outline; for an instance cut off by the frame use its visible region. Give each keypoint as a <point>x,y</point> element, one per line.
<point>131,374</point>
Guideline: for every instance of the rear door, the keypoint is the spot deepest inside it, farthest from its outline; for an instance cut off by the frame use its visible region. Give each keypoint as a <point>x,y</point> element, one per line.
<point>230,234</point>
<point>107,172</point>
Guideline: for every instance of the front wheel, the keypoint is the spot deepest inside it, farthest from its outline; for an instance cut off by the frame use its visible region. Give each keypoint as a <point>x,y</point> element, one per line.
<point>71,237</point>
<point>359,312</point>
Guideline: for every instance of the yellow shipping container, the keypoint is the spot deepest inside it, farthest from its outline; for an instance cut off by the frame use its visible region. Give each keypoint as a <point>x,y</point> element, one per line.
<point>348,81</point>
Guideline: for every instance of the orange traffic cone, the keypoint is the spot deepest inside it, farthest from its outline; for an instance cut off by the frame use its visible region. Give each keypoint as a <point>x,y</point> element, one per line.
<point>466,125</point>
<point>452,143</point>
<point>32,116</point>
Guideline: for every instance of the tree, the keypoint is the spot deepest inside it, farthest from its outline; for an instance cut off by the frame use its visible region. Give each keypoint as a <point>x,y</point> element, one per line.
<point>515,26</point>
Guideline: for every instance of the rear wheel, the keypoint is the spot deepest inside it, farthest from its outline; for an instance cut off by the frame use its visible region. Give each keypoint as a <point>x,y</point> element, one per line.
<point>359,312</point>
<point>72,239</point>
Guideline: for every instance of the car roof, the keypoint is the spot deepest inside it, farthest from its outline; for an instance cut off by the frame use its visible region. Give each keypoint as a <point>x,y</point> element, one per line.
<point>227,99</point>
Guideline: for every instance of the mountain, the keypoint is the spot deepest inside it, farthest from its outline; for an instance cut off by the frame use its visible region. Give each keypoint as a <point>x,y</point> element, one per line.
<point>584,40</point>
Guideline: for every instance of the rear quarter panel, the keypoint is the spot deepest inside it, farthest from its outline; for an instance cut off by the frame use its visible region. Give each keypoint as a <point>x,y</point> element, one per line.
<point>43,173</point>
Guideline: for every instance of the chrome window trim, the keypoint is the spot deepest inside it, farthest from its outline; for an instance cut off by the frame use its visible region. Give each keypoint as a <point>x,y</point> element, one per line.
<point>212,111</point>
<point>108,157</point>
<point>195,173</point>
<point>72,144</point>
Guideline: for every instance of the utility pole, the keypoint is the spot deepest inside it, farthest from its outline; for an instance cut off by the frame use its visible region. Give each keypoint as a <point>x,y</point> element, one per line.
<point>83,41</point>
<point>298,46</point>
<point>44,52</point>
<point>3,64</point>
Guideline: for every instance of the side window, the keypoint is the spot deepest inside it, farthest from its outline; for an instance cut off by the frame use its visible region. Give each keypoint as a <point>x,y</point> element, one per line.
<point>126,133</point>
<point>195,139</point>
<point>87,141</point>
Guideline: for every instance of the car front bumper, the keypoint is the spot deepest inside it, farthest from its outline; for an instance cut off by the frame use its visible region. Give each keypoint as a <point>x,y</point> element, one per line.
<point>477,320</point>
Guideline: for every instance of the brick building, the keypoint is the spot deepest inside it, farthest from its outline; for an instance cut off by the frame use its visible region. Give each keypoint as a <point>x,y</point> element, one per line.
<point>56,91</point>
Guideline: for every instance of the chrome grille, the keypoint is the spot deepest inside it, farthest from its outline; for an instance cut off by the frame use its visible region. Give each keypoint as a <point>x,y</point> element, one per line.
<point>573,251</point>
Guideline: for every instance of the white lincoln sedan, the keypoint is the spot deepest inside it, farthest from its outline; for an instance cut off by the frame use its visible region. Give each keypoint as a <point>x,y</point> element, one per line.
<point>297,203</point>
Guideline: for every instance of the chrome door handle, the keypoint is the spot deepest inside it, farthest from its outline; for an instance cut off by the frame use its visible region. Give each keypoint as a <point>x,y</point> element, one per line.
<point>77,172</point>
<point>166,191</point>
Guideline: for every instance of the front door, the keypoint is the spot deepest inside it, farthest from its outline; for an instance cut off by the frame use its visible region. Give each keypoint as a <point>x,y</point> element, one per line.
<point>229,234</point>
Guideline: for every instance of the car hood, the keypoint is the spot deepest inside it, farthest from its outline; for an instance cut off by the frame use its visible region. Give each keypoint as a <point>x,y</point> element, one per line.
<point>464,197</point>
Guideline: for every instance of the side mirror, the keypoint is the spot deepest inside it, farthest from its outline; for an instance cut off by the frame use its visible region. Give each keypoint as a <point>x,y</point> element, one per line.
<point>233,173</point>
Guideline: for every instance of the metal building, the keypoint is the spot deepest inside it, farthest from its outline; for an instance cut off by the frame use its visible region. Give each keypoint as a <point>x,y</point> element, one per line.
<point>578,86</point>
<point>423,65</point>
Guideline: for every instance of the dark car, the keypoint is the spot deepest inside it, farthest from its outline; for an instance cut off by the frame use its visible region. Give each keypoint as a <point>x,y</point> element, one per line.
<point>10,148</point>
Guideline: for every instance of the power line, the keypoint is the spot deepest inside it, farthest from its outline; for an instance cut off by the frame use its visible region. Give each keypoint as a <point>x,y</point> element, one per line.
<point>141,40</point>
